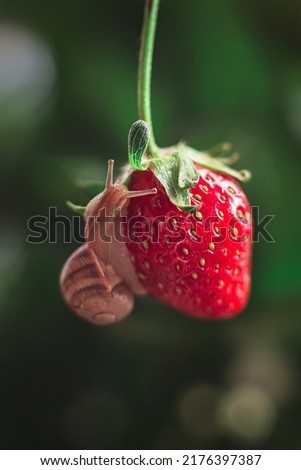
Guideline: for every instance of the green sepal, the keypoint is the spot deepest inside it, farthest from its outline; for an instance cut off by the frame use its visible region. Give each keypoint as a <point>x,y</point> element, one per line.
<point>77,209</point>
<point>171,170</point>
<point>189,209</point>
<point>91,187</point>
<point>212,163</point>
<point>138,140</point>
<point>188,174</point>
<point>223,153</point>
<point>220,150</point>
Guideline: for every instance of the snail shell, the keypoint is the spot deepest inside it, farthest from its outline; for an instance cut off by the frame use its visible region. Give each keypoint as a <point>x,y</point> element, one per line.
<point>98,281</point>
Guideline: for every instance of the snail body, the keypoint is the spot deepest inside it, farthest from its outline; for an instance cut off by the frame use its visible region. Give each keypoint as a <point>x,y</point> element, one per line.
<point>98,281</point>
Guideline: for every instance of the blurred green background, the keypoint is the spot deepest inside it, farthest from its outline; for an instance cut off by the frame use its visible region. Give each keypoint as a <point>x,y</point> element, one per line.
<point>223,71</point>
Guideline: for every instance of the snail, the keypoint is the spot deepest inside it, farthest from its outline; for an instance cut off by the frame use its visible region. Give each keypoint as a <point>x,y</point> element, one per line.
<point>98,281</point>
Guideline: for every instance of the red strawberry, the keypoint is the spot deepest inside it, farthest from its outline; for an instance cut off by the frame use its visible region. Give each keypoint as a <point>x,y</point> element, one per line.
<point>198,262</point>
<point>190,243</point>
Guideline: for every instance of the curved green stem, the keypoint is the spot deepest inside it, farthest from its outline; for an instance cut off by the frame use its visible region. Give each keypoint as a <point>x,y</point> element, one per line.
<point>145,66</point>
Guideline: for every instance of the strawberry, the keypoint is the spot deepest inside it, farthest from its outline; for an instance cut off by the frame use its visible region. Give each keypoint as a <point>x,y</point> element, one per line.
<point>190,243</point>
<point>198,263</point>
<point>196,258</point>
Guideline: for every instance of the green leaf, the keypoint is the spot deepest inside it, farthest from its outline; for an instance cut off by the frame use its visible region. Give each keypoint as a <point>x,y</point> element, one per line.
<point>138,140</point>
<point>77,209</point>
<point>92,187</point>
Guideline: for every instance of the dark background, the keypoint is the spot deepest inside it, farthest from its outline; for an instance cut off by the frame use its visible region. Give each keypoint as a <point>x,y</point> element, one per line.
<point>223,71</point>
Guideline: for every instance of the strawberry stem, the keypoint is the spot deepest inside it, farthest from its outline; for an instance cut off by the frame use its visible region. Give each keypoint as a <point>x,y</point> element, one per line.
<point>145,67</point>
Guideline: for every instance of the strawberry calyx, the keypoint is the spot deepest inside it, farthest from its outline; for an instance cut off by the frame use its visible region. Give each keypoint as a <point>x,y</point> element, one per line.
<point>176,166</point>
